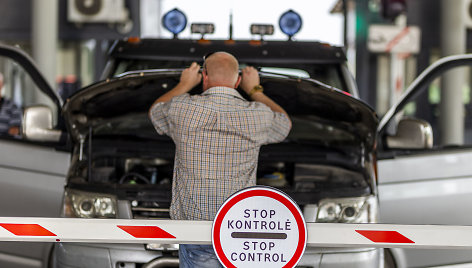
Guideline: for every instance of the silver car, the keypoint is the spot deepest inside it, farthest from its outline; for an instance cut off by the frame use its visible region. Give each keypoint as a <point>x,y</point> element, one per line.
<point>32,173</point>
<point>121,168</point>
<point>97,156</point>
<point>420,180</point>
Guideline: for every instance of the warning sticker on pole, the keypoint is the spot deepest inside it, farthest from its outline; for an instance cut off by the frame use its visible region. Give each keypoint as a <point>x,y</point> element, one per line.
<point>259,226</point>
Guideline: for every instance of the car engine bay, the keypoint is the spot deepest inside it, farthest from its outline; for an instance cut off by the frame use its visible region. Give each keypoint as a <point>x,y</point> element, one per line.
<point>146,181</point>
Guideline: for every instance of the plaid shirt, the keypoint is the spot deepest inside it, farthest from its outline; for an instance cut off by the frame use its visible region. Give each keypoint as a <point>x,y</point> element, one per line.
<point>217,136</point>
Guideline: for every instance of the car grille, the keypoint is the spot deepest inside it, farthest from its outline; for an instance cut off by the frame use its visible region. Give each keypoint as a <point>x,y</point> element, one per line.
<point>149,210</point>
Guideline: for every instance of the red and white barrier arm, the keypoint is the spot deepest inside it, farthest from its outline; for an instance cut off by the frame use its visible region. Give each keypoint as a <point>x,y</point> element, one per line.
<point>199,232</point>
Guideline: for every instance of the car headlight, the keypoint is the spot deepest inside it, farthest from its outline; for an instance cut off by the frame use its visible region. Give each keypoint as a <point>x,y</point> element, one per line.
<point>79,204</point>
<point>348,210</point>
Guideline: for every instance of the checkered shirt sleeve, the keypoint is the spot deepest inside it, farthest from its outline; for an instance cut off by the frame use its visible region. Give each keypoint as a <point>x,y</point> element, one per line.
<point>159,115</point>
<point>279,128</point>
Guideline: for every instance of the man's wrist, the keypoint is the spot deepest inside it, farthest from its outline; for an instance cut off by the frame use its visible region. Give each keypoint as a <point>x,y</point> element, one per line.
<point>183,87</point>
<point>255,89</point>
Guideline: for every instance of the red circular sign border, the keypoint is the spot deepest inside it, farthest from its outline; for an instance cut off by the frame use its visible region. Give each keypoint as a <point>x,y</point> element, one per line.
<point>259,191</point>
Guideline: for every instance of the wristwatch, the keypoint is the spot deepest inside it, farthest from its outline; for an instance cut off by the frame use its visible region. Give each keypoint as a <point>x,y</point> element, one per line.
<point>255,89</point>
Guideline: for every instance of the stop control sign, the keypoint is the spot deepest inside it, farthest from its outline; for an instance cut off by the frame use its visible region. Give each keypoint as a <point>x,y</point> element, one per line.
<point>259,227</point>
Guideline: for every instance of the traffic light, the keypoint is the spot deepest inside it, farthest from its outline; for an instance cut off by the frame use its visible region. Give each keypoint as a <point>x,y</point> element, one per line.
<point>392,8</point>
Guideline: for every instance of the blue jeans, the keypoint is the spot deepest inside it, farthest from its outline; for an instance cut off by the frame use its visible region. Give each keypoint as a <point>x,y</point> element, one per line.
<point>198,256</point>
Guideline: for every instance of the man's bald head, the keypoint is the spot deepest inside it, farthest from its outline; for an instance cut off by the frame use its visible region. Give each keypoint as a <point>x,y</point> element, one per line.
<point>222,69</point>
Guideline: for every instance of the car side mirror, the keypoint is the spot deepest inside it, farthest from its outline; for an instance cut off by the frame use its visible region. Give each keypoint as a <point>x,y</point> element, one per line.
<point>37,124</point>
<point>412,133</point>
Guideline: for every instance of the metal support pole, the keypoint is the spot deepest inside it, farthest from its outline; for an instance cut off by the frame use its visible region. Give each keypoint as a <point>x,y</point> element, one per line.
<point>151,16</point>
<point>394,66</point>
<point>345,23</point>
<point>350,44</point>
<point>44,44</point>
<point>44,36</point>
<point>453,39</point>
<point>397,68</point>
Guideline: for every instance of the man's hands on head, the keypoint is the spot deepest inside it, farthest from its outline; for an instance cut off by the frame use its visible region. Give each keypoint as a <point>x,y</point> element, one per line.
<point>250,79</point>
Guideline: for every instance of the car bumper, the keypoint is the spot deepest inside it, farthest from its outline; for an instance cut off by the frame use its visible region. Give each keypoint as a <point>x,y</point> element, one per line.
<point>342,257</point>
<point>75,255</point>
<point>72,255</point>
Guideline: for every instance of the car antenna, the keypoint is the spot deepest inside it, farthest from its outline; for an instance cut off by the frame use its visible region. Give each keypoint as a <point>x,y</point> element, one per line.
<point>231,24</point>
<point>230,40</point>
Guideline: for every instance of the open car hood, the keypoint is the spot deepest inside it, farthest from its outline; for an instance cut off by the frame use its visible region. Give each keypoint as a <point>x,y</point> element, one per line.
<point>106,103</point>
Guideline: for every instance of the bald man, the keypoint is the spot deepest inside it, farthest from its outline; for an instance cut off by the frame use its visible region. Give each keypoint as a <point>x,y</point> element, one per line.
<point>217,136</point>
